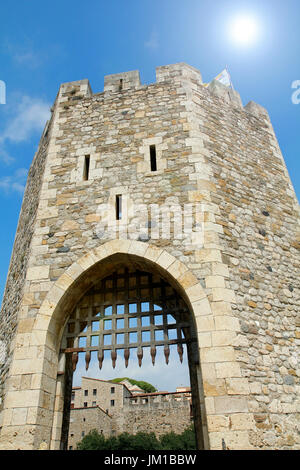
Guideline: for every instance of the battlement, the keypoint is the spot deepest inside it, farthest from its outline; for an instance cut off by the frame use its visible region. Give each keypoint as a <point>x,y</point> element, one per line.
<point>122,81</point>
<point>158,400</point>
<point>176,73</point>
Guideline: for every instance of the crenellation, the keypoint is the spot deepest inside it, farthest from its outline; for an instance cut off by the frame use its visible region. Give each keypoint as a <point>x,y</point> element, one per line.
<point>257,110</point>
<point>229,95</point>
<point>178,71</point>
<point>119,82</point>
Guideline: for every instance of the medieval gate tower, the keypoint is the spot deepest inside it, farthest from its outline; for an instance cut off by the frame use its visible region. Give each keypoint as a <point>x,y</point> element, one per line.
<point>88,246</point>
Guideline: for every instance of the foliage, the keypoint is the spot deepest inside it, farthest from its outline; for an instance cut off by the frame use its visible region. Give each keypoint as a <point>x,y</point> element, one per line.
<point>140,441</point>
<point>92,441</point>
<point>148,388</point>
<point>184,441</point>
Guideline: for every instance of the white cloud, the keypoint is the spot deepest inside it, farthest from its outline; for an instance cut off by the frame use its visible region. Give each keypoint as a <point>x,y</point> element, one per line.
<point>23,54</point>
<point>28,58</point>
<point>152,42</point>
<point>5,156</point>
<point>30,116</point>
<point>15,183</point>
<point>25,117</point>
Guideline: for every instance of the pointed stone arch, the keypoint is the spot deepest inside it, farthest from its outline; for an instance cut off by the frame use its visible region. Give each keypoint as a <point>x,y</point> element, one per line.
<point>174,270</point>
<point>41,402</point>
<point>78,278</point>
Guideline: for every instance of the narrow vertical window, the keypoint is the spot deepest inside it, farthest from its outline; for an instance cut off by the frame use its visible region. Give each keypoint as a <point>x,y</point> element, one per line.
<point>86,168</point>
<point>153,158</point>
<point>121,84</point>
<point>118,207</point>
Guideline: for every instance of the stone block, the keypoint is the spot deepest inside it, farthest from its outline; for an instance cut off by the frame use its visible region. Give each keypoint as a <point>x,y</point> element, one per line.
<point>201,308</point>
<point>228,369</point>
<point>237,386</point>
<point>228,404</point>
<point>222,294</point>
<point>205,323</point>
<point>36,273</point>
<point>204,340</point>
<point>227,323</point>
<point>196,293</point>
<point>217,354</point>
<point>218,423</point>
<point>165,260</point>
<point>223,338</point>
<point>230,440</point>
<point>215,281</point>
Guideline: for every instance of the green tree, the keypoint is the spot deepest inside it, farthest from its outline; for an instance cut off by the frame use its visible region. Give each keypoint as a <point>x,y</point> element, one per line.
<point>92,441</point>
<point>140,441</point>
<point>184,441</point>
<point>148,388</point>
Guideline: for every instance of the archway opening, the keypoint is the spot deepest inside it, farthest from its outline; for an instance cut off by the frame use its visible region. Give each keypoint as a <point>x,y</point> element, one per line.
<point>130,311</point>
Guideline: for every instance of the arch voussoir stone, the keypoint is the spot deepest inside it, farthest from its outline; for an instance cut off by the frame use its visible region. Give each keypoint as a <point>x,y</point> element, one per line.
<point>159,257</point>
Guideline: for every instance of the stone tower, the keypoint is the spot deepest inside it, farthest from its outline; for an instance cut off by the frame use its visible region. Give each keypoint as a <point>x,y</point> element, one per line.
<point>235,266</point>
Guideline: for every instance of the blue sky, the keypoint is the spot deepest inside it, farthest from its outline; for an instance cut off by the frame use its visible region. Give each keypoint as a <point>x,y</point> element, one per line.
<point>43,44</point>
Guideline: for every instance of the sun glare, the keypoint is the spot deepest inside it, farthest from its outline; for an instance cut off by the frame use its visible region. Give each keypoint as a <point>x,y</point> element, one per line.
<point>244,30</point>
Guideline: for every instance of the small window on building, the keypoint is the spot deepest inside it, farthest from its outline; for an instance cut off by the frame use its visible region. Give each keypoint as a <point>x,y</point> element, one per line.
<point>118,207</point>
<point>94,403</point>
<point>70,447</point>
<point>86,392</point>
<point>73,396</point>
<point>85,404</point>
<point>121,84</point>
<point>153,163</point>
<point>86,168</point>
<point>112,402</point>
<point>94,391</point>
<point>83,433</point>
<point>112,390</point>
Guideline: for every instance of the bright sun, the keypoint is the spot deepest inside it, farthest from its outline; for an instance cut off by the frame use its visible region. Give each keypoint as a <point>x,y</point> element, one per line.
<point>244,30</point>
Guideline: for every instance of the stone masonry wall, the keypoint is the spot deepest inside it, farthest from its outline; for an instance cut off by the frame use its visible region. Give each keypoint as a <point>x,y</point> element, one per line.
<point>103,395</point>
<point>83,420</point>
<point>19,259</point>
<point>159,415</point>
<point>260,216</point>
<point>210,151</point>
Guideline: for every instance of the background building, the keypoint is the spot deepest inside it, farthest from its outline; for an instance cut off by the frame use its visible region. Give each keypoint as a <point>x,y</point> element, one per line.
<point>111,408</point>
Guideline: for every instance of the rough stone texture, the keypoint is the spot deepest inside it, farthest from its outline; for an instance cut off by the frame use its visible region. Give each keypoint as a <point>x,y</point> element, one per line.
<point>159,414</point>
<point>100,392</point>
<point>19,260</point>
<point>83,420</point>
<point>241,277</point>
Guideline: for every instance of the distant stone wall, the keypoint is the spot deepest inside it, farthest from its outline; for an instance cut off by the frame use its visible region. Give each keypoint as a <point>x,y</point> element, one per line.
<point>19,260</point>
<point>83,420</point>
<point>158,414</point>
